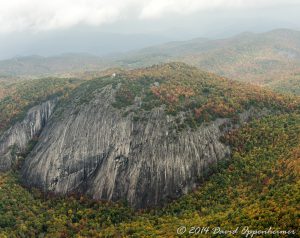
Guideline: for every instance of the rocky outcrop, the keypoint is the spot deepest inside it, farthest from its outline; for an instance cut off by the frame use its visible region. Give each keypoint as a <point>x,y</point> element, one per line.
<point>97,150</point>
<point>16,138</point>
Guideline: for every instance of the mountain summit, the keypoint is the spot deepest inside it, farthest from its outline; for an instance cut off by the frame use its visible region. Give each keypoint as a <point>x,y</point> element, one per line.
<point>144,136</point>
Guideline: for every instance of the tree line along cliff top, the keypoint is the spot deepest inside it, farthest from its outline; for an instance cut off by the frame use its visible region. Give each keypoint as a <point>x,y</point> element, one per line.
<point>202,96</point>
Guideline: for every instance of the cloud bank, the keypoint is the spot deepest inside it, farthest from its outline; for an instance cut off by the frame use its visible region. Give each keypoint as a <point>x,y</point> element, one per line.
<point>43,15</point>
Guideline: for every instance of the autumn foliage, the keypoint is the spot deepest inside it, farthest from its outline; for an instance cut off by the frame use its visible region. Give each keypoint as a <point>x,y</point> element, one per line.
<point>16,98</point>
<point>258,187</point>
<point>199,95</point>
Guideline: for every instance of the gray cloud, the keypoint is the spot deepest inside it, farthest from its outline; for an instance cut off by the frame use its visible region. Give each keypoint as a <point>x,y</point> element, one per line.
<point>108,26</point>
<point>43,15</point>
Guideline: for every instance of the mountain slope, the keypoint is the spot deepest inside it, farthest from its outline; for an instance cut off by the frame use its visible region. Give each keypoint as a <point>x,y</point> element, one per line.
<point>25,108</point>
<point>258,58</point>
<point>37,66</point>
<point>158,127</point>
<point>259,188</point>
<point>17,98</point>
<point>289,85</point>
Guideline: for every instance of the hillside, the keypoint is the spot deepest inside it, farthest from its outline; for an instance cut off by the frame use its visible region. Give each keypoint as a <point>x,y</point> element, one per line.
<point>37,66</point>
<point>263,58</point>
<point>257,58</point>
<point>238,195</point>
<point>16,98</point>
<point>290,85</point>
<point>182,146</point>
<point>159,127</point>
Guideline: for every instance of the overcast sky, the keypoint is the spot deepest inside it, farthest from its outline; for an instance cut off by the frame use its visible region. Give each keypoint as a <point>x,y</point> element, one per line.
<point>48,27</point>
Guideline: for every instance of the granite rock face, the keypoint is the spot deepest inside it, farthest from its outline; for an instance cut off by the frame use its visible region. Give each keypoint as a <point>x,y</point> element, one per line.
<point>97,150</point>
<point>17,137</point>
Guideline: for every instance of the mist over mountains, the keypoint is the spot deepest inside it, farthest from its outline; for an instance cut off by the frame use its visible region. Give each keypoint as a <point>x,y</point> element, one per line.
<point>81,40</point>
<point>258,58</point>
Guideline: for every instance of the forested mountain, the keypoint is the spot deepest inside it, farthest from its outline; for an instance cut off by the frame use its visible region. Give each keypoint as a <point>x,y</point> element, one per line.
<point>193,148</point>
<point>263,58</point>
<point>258,58</point>
<point>38,66</point>
<point>16,98</point>
<point>132,146</point>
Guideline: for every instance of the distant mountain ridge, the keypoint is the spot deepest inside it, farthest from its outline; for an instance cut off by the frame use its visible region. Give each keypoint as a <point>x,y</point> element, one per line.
<point>34,66</point>
<point>258,58</point>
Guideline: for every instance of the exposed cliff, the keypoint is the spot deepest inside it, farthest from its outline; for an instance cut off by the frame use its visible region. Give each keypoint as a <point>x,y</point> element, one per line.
<point>144,136</point>
<point>16,139</point>
<point>99,151</point>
